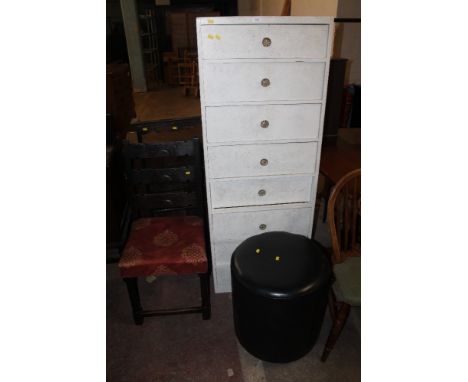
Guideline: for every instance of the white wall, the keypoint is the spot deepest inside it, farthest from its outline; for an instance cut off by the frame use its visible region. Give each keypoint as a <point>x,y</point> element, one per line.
<point>298,7</point>
<point>314,7</point>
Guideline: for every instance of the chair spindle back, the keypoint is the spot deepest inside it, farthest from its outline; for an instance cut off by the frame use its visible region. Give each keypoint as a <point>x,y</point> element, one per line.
<point>344,206</point>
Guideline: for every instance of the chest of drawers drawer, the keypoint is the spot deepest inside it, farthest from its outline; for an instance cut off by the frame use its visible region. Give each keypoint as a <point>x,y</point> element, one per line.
<point>268,81</point>
<point>260,160</point>
<point>235,226</point>
<point>264,41</point>
<point>262,122</point>
<point>261,191</point>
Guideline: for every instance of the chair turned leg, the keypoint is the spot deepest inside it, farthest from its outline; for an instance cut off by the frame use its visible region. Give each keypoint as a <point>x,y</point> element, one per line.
<point>332,305</point>
<point>337,327</point>
<point>205,294</point>
<point>132,287</point>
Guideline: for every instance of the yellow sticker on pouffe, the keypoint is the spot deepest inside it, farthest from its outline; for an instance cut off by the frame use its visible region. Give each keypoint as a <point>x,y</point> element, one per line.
<point>277,258</point>
<point>257,251</point>
<point>187,172</point>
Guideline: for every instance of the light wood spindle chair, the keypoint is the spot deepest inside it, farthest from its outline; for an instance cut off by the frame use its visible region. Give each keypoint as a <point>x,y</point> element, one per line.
<point>344,207</point>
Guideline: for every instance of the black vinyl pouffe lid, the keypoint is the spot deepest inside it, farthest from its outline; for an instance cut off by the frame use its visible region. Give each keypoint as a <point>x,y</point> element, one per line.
<point>280,265</point>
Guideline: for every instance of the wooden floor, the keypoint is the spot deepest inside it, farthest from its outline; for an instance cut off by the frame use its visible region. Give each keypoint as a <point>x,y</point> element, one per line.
<point>165,103</point>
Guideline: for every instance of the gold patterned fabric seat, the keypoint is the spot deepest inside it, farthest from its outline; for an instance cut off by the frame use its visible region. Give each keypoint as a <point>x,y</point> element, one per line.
<point>164,246</point>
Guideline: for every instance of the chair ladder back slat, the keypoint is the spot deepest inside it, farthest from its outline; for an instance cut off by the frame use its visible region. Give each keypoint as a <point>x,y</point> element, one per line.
<point>343,216</point>
<point>160,149</point>
<point>166,126</point>
<point>182,174</point>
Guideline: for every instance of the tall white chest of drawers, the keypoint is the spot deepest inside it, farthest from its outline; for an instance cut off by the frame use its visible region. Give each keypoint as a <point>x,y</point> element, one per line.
<point>263,83</point>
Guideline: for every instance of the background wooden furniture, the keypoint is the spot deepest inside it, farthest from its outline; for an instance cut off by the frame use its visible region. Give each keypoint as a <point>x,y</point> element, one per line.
<point>183,26</point>
<point>344,208</point>
<point>188,77</point>
<point>170,61</point>
<point>181,68</point>
<point>333,113</point>
<point>168,234</point>
<point>119,98</point>
<point>286,11</point>
<point>263,92</point>
<point>337,159</point>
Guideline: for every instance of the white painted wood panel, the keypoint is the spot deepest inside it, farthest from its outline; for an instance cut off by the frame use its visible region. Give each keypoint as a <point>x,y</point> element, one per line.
<point>244,123</point>
<point>237,41</point>
<point>222,274</point>
<point>260,191</point>
<point>246,160</point>
<point>238,226</point>
<point>242,81</point>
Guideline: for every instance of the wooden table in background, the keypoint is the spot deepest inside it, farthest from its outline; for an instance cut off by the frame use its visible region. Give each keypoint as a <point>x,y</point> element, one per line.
<point>337,161</point>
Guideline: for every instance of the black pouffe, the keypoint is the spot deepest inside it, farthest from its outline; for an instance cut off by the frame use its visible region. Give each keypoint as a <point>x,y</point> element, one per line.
<point>280,283</point>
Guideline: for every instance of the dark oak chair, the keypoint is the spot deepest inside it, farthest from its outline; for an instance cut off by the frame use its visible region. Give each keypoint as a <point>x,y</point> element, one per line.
<point>166,231</point>
<point>344,207</point>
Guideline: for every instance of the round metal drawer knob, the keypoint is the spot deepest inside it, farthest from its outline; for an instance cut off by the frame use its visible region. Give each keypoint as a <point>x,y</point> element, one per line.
<point>262,227</point>
<point>168,202</point>
<point>266,42</point>
<point>264,162</point>
<point>167,178</point>
<point>264,124</point>
<point>164,153</point>
<point>262,193</point>
<point>265,82</point>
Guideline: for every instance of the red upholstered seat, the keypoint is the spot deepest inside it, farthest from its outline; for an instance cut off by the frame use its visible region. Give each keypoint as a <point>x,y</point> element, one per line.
<point>164,246</point>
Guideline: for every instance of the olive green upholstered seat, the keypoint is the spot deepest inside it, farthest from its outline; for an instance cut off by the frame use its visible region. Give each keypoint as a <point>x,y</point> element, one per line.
<point>347,286</point>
